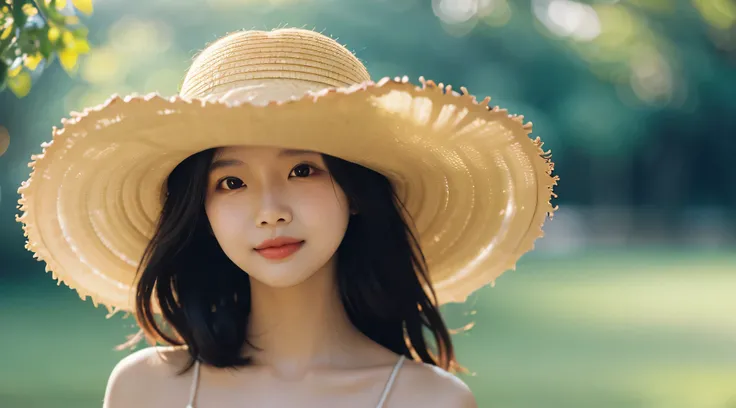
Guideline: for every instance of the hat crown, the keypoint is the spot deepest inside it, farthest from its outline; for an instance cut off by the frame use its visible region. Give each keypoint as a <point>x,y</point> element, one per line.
<point>295,59</point>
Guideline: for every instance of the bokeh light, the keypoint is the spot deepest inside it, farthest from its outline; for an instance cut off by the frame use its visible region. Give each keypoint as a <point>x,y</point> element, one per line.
<point>634,278</point>
<point>567,18</point>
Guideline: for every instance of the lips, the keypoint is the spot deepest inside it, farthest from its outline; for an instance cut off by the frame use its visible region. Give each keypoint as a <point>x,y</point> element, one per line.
<point>278,248</point>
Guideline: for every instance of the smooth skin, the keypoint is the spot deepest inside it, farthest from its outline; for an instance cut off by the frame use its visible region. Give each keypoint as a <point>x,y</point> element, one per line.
<point>312,356</point>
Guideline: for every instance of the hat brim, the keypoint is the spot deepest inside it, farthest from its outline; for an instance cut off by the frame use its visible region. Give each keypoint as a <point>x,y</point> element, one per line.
<point>477,187</point>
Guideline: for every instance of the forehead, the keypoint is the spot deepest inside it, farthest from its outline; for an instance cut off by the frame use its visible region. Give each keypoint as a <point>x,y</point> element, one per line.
<point>247,153</point>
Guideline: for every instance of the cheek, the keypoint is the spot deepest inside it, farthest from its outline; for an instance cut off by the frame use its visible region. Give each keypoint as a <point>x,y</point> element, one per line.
<point>323,207</point>
<point>226,219</point>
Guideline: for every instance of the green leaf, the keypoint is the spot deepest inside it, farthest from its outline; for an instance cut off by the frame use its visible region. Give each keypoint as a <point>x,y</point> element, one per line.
<point>53,34</point>
<point>20,84</point>
<point>18,15</point>
<point>15,71</point>
<point>28,40</point>
<point>85,6</point>
<point>4,34</point>
<point>71,20</point>
<point>45,47</point>
<point>81,46</point>
<point>68,59</point>
<point>80,32</point>
<point>29,9</point>
<point>54,15</point>
<point>3,74</point>
<point>32,60</point>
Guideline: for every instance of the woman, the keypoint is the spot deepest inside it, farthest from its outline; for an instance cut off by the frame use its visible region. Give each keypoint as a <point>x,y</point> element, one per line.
<point>270,225</point>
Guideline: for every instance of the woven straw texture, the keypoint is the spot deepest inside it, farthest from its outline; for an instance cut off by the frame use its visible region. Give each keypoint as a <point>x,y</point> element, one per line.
<point>477,187</point>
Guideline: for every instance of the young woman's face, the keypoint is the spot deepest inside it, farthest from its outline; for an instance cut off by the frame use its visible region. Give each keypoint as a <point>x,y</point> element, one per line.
<point>256,194</point>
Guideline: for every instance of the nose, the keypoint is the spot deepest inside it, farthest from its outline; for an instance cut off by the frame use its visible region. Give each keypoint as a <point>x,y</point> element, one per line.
<point>273,211</point>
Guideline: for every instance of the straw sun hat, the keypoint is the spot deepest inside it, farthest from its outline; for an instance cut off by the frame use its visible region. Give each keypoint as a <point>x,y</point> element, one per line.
<point>477,187</point>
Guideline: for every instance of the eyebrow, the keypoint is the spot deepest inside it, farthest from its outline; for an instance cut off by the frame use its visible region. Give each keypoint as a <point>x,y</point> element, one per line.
<point>294,152</point>
<point>220,163</point>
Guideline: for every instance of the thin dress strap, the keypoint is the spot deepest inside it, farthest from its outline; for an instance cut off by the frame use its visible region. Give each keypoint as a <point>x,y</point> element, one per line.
<point>381,402</point>
<point>390,381</point>
<point>195,385</point>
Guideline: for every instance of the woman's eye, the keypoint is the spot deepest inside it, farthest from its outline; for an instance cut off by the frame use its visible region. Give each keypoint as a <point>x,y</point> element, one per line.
<point>302,170</point>
<point>230,183</point>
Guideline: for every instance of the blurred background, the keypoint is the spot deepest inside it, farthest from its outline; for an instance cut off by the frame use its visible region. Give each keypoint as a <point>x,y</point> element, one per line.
<point>629,300</point>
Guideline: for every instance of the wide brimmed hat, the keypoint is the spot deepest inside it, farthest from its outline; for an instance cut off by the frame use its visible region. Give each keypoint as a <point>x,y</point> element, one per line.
<point>476,186</point>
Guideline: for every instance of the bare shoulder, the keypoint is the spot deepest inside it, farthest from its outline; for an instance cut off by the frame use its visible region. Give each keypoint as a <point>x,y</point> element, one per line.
<point>420,384</point>
<point>143,377</point>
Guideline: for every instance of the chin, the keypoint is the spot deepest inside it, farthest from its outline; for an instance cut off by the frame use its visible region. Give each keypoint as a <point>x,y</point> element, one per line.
<point>287,273</point>
<point>277,277</point>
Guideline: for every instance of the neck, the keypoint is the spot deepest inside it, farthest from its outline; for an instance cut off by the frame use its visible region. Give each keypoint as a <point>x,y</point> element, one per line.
<point>303,327</point>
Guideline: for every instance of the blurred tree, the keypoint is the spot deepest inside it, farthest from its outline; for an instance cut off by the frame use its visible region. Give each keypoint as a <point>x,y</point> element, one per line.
<point>634,97</point>
<point>33,33</point>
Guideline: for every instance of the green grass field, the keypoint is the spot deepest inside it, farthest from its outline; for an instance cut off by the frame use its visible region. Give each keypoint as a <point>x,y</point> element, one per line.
<point>624,329</point>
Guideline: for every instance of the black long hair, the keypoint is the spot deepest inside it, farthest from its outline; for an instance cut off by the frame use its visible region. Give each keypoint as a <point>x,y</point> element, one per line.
<point>204,298</point>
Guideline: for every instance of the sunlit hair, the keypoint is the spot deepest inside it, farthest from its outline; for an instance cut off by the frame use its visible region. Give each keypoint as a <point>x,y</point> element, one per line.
<point>204,298</point>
